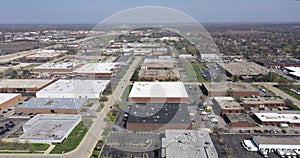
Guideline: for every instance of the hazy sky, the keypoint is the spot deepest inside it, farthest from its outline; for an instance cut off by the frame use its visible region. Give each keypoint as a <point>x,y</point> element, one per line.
<point>94,11</point>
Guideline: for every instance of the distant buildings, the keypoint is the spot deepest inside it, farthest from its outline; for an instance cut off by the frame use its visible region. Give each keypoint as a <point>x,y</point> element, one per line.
<point>57,68</point>
<point>97,69</point>
<point>49,128</point>
<point>263,102</point>
<point>158,92</point>
<point>74,89</point>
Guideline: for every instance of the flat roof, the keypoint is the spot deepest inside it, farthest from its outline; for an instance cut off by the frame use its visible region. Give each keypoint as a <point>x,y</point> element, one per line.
<point>158,90</point>
<point>44,55</point>
<point>54,103</point>
<point>4,97</point>
<point>160,59</point>
<point>225,86</point>
<point>74,89</point>
<point>276,117</point>
<point>24,83</point>
<point>189,143</point>
<point>97,68</point>
<point>227,103</point>
<point>295,70</point>
<point>244,68</point>
<point>234,117</point>
<point>262,101</point>
<point>277,140</point>
<point>159,113</point>
<point>49,127</point>
<point>59,65</point>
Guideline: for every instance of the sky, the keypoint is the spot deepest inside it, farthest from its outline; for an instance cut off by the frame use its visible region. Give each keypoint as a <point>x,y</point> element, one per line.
<point>95,11</point>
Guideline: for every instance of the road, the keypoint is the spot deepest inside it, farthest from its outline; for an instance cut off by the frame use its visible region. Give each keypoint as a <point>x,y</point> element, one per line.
<point>85,148</point>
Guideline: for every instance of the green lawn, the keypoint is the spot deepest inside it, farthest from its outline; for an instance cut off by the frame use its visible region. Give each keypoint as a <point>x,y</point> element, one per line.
<point>72,141</point>
<point>31,147</point>
<point>196,66</point>
<point>112,115</point>
<point>125,94</point>
<point>189,72</point>
<point>286,89</point>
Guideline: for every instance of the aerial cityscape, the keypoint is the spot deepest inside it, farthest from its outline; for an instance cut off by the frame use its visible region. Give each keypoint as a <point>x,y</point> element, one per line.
<point>150,81</point>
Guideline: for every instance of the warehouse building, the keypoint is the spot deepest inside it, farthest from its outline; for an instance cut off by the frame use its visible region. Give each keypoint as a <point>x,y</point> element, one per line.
<point>57,68</point>
<point>262,102</point>
<point>97,69</point>
<point>7,99</point>
<point>294,71</point>
<point>273,143</point>
<point>49,128</point>
<point>228,89</point>
<point>74,89</point>
<point>158,116</point>
<point>158,71</point>
<point>44,56</point>
<point>23,85</point>
<point>244,69</point>
<point>224,105</point>
<point>188,143</point>
<point>158,92</point>
<point>239,120</point>
<point>293,120</point>
<point>52,105</point>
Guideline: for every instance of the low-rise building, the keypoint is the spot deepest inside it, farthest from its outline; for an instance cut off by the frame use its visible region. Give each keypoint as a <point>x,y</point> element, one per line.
<point>158,116</point>
<point>263,102</point>
<point>7,99</point>
<point>187,143</point>
<point>74,89</point>
<point>224,105</point>
<point>239,120</point>
<point>49,128</point>
<point>293,120</point>
<point>97,69</point>
<point>57,68</point>
<point>273,143</point>
<point>23,85</point>
<point>158,92</point>
<point>52,105</point>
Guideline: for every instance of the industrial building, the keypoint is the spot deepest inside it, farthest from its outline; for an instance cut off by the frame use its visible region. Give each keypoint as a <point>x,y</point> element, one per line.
<point>158,116</point>
<point>23,85</point>
<point>224,105</point>
<point>158,71</point>
<point>273,143</point>
<point>49,128</point>
<point>158,92</point>
<point>74,89</point>
<point>7,99</point>
<point>232,89</point>
<point>97,69</point>
<point>57,68</point>
<point>239,120</point>
<point>293,120</point>
<point>244,69</point>
<point>262,102</point>
<point>294,71</point>
<point>43,56</point>
<point>187,143</point>
<point>52,105</point>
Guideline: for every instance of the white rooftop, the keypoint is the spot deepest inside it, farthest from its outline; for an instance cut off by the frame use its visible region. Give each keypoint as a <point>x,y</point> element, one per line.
<point>4,97</point>
<point>74,89</point>
<point>276,117</point>
<point>58,65</point>
<point>97,68</point>
<point>46,128</point>
<point>158,90</point>
<point>296,70</point>
<point>188,143</point>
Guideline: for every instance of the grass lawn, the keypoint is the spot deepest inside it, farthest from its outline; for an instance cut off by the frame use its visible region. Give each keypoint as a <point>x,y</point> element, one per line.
<point>72,141</point>
<point>112,115</point>
<point>286,89</point>
<point>31,147</point>
<point>196,66</point>
<point>189,72</point>
<point>125,94</point>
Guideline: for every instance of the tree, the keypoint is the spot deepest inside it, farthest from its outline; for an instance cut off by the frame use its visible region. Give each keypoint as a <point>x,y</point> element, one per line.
<point>13,74</point>
<point>235,78</point>
<point>25,72</point>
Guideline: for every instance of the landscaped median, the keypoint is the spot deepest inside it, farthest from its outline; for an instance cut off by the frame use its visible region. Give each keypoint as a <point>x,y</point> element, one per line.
<point>72,141</point>
<point>14,147</point>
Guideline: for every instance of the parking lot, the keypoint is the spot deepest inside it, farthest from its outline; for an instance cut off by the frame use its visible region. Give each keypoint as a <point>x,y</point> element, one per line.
<point>11,128</point>
<point>234,148</point>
